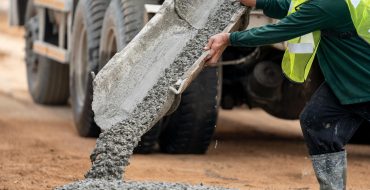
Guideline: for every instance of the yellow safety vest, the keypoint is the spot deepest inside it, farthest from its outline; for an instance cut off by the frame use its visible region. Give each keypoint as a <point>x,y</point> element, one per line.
<point>360,13</point>
<point>301,51</point>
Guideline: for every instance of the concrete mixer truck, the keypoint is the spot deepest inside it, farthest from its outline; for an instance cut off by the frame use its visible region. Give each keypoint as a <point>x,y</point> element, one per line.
<point>67,40</point>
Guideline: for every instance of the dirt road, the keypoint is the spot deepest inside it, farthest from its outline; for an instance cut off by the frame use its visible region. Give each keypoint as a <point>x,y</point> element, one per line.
<point>40,149</point>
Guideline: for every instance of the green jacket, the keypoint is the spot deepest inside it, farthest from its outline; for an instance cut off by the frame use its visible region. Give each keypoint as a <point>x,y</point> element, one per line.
<point>344,57</point>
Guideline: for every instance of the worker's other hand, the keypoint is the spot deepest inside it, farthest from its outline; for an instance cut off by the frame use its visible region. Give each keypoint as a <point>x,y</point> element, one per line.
<point>216,46</point>
<point>248,3</point>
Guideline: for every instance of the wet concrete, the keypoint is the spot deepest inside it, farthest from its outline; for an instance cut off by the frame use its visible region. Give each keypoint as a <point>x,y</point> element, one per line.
<point>191,11</point>
<point>90,184</point>
<point>115,145</point>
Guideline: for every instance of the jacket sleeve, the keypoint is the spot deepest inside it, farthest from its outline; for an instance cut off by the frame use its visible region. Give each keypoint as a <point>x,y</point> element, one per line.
<point>274,8</point>
<point>307,19</point>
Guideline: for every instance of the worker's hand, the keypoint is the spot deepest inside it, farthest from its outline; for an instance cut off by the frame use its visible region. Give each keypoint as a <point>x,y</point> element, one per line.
<point>248,3</point>
<point>216,46</point>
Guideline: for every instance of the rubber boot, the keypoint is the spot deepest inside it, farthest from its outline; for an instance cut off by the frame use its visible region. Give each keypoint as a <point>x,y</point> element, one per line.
<point>331,170</point>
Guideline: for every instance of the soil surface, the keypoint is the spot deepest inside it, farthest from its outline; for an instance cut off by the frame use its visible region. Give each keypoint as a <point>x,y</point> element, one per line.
<point>40,149</point>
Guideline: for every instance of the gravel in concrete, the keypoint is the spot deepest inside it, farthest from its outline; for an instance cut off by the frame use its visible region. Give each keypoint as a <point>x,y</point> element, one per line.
<point>98,184</point>
<point>115,145</point>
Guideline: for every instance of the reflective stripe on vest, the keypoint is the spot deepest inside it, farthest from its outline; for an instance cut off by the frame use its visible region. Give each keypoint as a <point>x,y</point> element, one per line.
<point>299,56</point>
<point>360,13</point>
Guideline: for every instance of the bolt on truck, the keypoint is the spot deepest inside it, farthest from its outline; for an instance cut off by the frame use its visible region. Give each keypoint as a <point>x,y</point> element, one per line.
<point>67,40</point>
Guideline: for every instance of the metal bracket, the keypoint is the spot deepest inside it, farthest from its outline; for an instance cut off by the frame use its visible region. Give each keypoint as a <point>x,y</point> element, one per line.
<point>175,105</point>
<point>51,51</point>
<point>150,11</point>
<point>181,88</point>
<point>59,5</point>
<point>181,83</point>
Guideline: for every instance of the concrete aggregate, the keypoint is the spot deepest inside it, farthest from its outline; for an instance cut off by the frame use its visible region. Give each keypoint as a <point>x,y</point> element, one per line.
<point>99,184</point>
<point>115,145</point>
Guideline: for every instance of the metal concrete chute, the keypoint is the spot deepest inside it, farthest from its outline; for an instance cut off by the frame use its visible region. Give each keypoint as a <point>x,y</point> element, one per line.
<point>127,78</point>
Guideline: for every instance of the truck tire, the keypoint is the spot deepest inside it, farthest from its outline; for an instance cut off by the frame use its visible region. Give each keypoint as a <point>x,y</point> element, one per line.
<point>87,27</point>
<point>47,79</point>
<point>190,128</point>
<point>122,22</point>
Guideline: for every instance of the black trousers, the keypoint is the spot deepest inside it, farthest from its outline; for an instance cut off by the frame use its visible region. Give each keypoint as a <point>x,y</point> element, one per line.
<point>327,125</point>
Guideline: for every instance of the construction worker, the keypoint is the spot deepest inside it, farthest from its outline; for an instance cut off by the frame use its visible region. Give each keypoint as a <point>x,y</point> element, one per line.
<point>338,32</point>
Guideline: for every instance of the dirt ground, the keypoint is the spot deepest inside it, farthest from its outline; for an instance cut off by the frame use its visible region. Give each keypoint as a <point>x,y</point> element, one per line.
<point>40,149</point>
